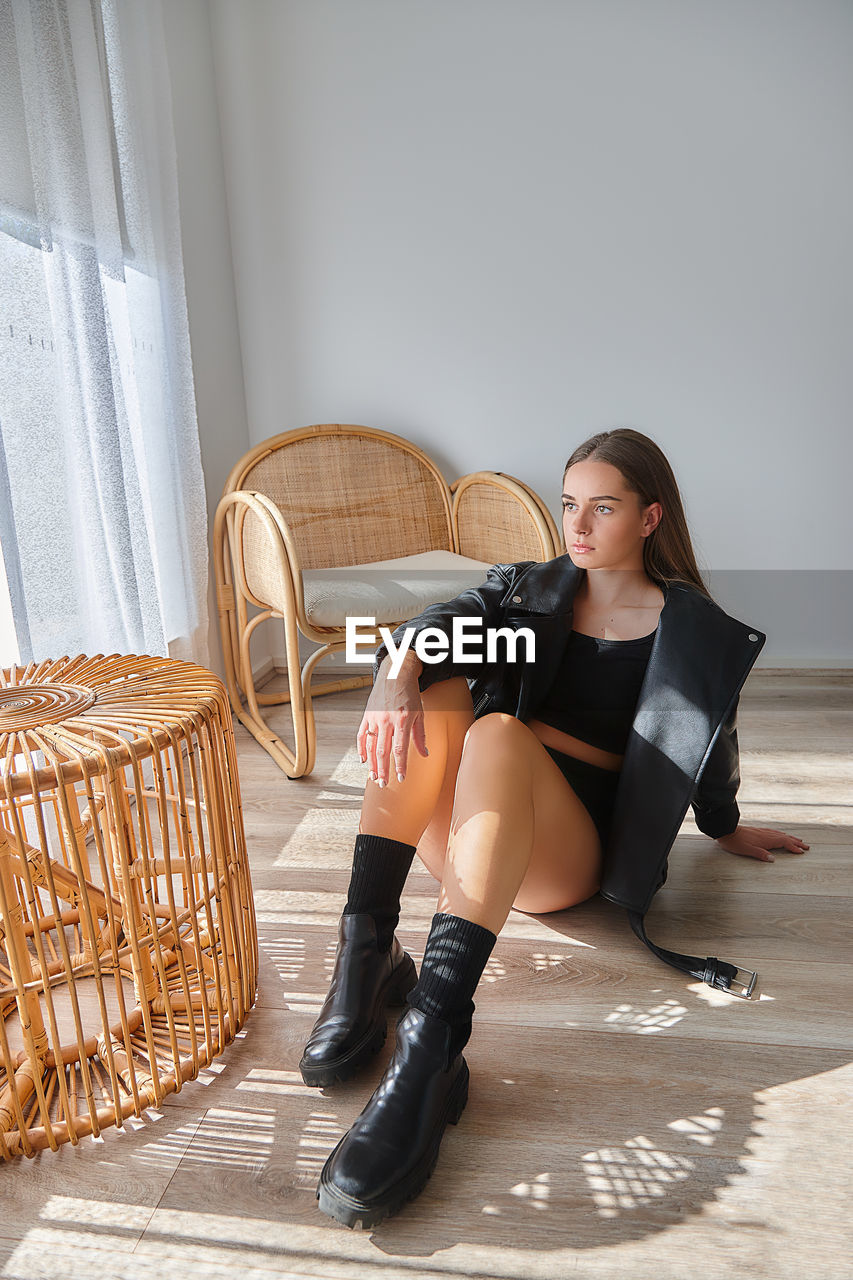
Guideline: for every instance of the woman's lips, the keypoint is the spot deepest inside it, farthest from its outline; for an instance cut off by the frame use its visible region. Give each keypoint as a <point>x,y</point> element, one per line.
<point>580,546</point>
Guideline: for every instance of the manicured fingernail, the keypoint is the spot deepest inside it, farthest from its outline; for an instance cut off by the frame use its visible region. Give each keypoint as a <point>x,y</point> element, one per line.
<point>381,782</point>
<point>401,777</point>
<point>771,858</point>
<point>372,776</point>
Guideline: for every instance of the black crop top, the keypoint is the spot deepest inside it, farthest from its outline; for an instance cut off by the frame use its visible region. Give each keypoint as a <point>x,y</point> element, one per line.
<point>595,689</point>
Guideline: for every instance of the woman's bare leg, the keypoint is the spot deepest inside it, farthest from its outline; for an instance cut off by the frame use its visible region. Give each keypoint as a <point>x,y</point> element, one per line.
<point>417,811</point>
<point>492,816</point>
<point>519,834</point>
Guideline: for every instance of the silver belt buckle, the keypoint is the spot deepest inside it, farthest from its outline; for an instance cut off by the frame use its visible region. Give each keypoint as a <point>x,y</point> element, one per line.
<point>747,987</point>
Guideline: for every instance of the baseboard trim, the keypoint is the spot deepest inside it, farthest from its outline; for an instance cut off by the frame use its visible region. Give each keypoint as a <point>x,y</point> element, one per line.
<point>271,668</point>
<point>780,666</point>
<point>264,673</point>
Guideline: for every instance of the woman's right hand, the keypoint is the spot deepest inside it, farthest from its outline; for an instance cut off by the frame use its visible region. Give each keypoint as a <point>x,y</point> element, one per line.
<point>394,714</point>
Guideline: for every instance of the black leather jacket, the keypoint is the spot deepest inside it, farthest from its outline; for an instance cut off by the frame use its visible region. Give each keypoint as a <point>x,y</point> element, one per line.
<point>682,748</point>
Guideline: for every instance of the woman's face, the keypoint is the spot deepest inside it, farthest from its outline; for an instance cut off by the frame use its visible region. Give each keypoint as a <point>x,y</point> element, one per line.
<point>604,522</point>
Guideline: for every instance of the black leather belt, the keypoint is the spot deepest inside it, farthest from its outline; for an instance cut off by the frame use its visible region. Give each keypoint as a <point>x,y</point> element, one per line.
<point>717,973</point>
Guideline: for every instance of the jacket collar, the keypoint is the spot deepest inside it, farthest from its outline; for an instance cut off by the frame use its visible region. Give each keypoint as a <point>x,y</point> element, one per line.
<point>550,587</point>
<point>547,588</point>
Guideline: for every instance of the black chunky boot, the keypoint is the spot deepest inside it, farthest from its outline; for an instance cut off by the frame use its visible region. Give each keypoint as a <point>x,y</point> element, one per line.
<point>371,970</point>
<point>391,1150</point>
<point>352,1027</point>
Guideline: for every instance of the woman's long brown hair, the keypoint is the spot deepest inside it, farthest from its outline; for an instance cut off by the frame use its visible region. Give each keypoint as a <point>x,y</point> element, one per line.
<point>668,551</point>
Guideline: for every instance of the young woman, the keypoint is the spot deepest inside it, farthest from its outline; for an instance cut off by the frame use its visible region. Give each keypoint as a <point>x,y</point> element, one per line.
<point>527,781</point>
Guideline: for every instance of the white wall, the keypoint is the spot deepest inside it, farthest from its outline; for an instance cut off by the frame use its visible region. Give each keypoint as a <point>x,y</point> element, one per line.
<point>499,225</point>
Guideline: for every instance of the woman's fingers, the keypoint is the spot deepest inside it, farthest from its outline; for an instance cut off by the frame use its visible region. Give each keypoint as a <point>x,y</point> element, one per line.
<point>370,752</point>
<point>794,843</point>
<point>401,752</point>
<point>361,740</point>
<point>757,842</point>
<point>781,840</point>
<point>383,751</point>
<point>383,735</point>
<point>761,840</point>
<point>385,746</point>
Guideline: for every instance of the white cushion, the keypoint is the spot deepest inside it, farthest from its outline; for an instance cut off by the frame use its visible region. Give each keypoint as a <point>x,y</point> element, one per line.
<point>388,590</point>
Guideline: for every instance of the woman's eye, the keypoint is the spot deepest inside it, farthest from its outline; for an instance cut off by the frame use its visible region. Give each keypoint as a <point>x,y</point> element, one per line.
<point>603,508</point>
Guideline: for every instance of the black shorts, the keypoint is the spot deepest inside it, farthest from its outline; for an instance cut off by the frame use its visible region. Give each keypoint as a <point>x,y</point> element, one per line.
<point>594,787</point>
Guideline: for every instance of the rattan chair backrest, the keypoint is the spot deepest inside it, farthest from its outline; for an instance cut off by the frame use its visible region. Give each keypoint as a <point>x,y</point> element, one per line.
<point>349,495</point>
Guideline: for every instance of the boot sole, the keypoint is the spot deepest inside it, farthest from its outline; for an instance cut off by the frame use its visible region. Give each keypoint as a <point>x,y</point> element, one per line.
<point>338,1070</point>
<point>350,1211</point>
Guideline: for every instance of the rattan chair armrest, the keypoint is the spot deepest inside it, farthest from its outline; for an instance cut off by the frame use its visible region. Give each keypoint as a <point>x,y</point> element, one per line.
<point>228,523</point>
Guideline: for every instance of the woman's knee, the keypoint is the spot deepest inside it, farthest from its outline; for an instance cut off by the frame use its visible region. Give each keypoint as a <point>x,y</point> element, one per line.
<point>497,732</point>
<point>496,722</point>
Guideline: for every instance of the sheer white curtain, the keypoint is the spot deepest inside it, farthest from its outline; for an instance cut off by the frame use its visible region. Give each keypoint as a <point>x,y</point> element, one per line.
<point>103,526</point>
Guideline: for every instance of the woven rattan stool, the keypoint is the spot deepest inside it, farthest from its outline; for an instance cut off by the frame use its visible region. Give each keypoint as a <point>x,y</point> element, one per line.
<point>128,945</point>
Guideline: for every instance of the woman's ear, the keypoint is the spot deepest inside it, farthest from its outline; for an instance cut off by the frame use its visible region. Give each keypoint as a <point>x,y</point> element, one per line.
<point>652,517</point>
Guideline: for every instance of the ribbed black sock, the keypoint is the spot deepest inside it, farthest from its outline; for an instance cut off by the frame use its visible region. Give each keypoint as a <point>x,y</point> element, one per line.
<point>455,956</point>
<point>379,870</point>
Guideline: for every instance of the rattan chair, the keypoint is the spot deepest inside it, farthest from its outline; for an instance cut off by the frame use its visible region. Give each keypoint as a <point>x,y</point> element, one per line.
<point>331,521</point>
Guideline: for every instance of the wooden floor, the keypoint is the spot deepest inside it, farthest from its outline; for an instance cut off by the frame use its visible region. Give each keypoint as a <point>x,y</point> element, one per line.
<point>623,1121</point>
